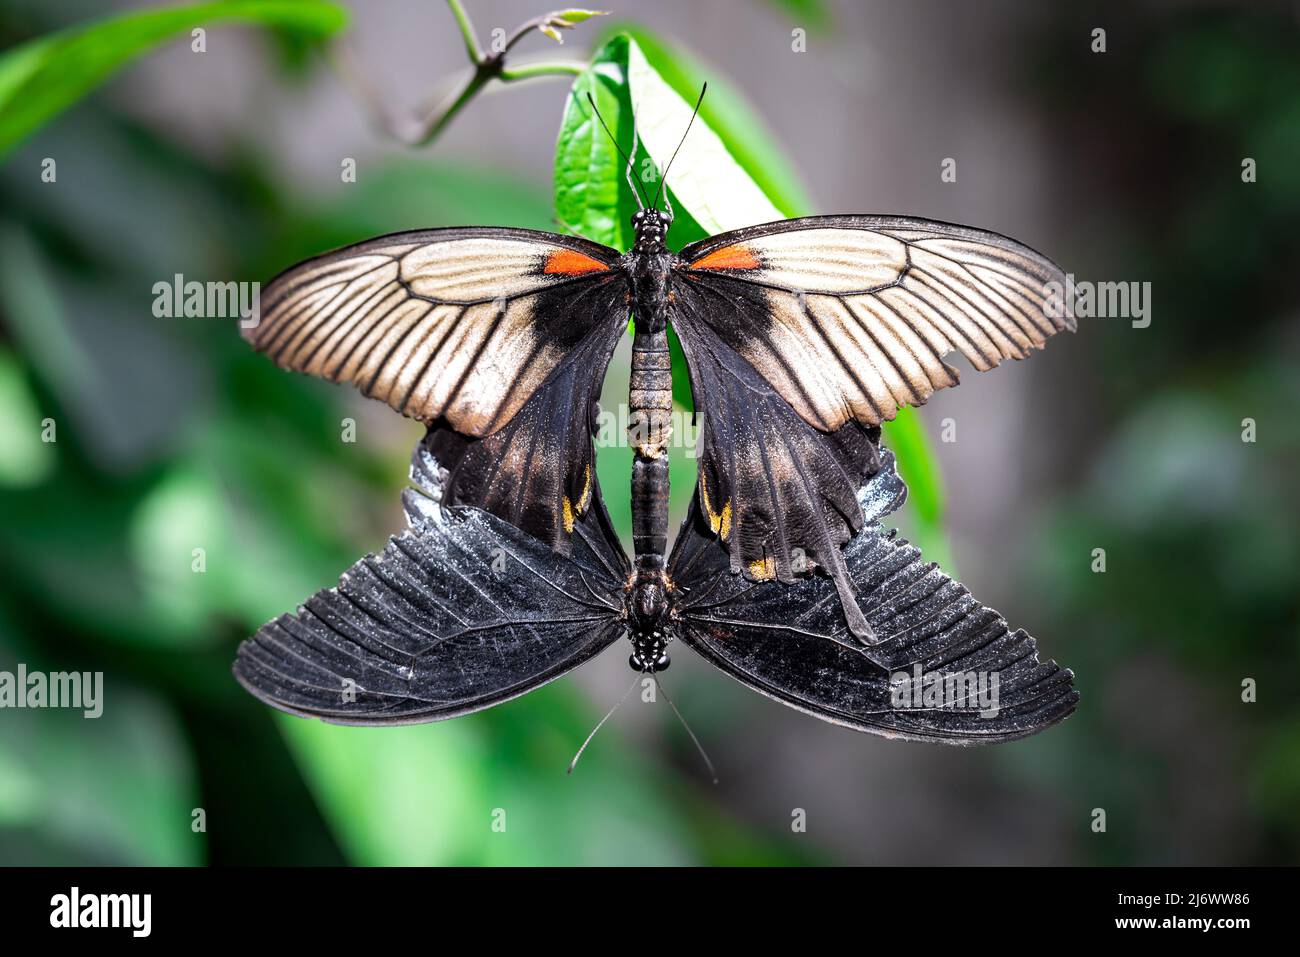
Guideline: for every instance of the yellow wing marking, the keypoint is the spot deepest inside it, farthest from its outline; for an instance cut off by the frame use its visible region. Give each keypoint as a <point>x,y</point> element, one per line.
<point>719,522</point>
<point>570,511</point>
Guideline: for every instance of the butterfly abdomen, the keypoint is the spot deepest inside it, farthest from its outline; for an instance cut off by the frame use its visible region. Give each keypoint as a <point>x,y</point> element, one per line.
<point>651,394</point>
<point>649,430</point>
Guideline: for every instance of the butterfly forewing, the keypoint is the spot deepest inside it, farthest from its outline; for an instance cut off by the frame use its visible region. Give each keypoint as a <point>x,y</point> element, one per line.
<point>455,324</point>
<point>858,312</point>
<point>498,339</point>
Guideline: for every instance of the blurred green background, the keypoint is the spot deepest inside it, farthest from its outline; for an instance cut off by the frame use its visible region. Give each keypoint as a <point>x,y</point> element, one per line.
<point>171,434</point>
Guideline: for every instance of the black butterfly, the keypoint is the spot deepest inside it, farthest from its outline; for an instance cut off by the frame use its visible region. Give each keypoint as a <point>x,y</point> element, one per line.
<point>801,338</point>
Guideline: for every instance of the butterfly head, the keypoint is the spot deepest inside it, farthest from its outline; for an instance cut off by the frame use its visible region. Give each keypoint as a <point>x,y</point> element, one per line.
<point>649,625</point>
<point>651,226</point>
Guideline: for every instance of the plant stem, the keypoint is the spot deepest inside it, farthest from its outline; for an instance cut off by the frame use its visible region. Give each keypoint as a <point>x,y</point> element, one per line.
<point>487,67</point>
<point>466,31</point>
<point>551,68</point>
<point>436,123</point>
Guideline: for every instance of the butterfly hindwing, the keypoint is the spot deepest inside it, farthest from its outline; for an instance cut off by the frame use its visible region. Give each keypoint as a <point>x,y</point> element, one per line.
<point>460,612</point>
<point>498,339</point>
<point>791,642</point>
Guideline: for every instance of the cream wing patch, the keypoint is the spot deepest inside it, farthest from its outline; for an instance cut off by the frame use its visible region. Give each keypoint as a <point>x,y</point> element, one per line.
<point>830,260</point>
<point>440,329</point>
<point>472,270</point>
<point>861,317</point>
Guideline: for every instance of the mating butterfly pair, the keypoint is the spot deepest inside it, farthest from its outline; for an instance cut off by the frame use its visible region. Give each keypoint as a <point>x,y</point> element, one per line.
<point>801,337</point>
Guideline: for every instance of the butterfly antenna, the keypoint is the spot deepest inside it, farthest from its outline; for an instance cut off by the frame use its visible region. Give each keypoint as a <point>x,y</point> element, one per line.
<point>599,724</point>
<point>698,747</point>
<point>627,173</point>
<point>664,178</point>
<point>640,204</point>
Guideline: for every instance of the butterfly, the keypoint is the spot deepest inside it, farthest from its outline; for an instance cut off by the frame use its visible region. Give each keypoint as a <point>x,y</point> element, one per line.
<point>802,338</point>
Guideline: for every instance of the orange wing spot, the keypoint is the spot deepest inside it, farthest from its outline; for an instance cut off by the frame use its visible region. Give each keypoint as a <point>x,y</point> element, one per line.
<point>566,262</point>
<point>728,257</point>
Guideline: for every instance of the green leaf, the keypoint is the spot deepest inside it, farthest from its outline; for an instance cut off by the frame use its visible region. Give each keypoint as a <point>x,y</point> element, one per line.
<point>592,198</point>
<point>42,78</point>
<point>706,179</point>
<point>577,15</point>
<point>726,112</point>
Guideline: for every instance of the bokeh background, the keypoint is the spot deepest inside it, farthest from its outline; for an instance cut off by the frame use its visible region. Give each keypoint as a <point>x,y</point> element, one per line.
<point>1123,165</point>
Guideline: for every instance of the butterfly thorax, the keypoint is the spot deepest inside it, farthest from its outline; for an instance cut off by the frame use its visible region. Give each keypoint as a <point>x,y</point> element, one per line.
<point>649,268</point>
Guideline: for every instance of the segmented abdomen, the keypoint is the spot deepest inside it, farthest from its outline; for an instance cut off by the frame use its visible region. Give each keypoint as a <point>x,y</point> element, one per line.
<point>649,430</point>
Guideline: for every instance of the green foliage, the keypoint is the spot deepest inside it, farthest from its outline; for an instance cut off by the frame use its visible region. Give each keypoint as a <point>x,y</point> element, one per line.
<point>42,78</point>
<point>489,791</point>
<point>119,788</point>
<point>591,198</point>
<point>27,460</point>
